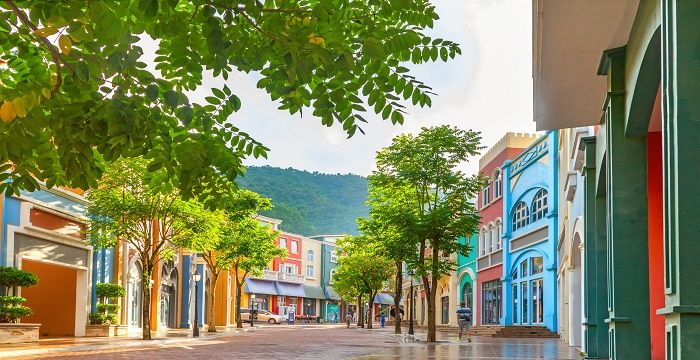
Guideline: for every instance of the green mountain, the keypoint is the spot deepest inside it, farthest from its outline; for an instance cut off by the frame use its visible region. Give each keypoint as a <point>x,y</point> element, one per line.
<point>310,203</point>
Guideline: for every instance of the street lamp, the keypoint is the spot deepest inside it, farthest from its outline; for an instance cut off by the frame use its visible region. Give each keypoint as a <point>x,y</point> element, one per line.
<point>195,329</point>
<point>412,300</point>
<point>252,312</point>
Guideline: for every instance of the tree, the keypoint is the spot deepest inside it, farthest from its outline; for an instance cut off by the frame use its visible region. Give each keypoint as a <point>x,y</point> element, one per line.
<point>251,248</point>
<point>80,86</point>
<point>364,266</point>
<point>391,218</point>
<point>124,207</point>
<point>427,164</point>
<point>212,239</point>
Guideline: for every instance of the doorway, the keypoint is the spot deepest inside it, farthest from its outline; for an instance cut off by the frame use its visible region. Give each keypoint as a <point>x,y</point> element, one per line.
<point>445,302</point>
<point>56,289</point>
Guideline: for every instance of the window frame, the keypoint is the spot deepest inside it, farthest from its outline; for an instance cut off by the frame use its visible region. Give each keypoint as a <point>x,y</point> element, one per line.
<point>540,205</point>
<point>498,183</point>
<point>520,215</point>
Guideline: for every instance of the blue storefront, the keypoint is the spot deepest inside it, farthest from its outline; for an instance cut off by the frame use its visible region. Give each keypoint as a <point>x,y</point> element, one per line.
<point>530,236</point>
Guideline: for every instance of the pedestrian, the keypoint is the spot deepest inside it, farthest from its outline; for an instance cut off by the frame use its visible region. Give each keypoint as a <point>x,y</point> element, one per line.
<point>348,318</point>
<point>337,317</point>
<point>464,320</point>
<point>382,319</point>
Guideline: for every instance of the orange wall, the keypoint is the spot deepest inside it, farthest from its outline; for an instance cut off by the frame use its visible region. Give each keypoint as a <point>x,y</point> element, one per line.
<point>56,223</point>
<point>52,299</point>
<point>656,243</point>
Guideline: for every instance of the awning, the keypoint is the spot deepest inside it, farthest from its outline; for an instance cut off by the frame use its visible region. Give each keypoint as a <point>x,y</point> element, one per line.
<point>314,292</point>
<point>256,286</point>
<point>287,289</point>
<point>331,294</point>
<point>384,299</point>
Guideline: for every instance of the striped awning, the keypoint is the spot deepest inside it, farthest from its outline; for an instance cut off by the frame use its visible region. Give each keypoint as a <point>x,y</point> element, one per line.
<point>384,299</point>
<point>257,286</point>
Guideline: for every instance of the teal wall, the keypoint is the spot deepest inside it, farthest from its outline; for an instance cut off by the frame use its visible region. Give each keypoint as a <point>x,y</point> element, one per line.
<point>466,269</point>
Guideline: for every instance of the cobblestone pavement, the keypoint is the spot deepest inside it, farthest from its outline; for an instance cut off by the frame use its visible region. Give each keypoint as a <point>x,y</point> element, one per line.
<point>321,342</point>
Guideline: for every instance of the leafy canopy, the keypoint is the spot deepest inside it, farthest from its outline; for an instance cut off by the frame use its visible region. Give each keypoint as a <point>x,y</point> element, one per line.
<point>362,269</point>
<point>79,87</point>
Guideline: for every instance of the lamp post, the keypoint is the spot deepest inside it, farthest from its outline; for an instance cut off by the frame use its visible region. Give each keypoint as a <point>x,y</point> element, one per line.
<point>410,310</point>
<point>195,329</point>
<point>252,311</point>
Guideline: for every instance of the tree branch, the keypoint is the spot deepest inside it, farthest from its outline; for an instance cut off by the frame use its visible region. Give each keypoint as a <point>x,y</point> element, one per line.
<point>55,54</point>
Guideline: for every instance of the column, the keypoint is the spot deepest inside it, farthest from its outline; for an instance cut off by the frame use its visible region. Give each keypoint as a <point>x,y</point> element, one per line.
<point>626,197</point>
<point>185,292</point>
<point>680,87</point>
<point>595,261</point>
<point>506,280</point>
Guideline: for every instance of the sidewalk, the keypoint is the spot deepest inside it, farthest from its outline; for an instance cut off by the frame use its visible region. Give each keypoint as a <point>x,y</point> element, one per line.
<point>76,344</point>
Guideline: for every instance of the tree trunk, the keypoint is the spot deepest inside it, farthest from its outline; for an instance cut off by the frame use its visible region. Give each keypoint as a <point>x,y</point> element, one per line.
<point>431,311</point>
<point>434,275</point>
<point>370,308</point>
<point>397,297</point>
<point>146,303</point>
<point>360,311</point>
<point>211,321</point>
<point>237,309</point>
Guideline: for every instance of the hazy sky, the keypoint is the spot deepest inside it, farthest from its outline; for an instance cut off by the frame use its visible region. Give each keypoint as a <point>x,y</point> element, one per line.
<point>488,88</point>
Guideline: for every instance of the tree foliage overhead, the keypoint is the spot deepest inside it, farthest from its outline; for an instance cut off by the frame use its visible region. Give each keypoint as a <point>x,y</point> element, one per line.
<point>78,89</point>
<point>310,203</point>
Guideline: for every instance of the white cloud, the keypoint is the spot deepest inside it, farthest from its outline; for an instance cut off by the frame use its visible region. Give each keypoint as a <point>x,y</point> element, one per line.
<point>488,88</point>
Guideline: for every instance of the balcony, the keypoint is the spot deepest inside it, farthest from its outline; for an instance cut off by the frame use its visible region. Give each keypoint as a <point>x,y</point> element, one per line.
<point>282,276</point>
<point>570,186</point>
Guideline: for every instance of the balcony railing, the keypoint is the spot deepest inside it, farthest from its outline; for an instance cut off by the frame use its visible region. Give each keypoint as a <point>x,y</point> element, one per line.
<point>282,276</point>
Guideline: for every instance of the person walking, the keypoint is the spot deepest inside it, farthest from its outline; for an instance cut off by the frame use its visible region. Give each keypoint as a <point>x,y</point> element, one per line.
<point>464,320</point>
<point>348,318</point>
<point>382,319</point>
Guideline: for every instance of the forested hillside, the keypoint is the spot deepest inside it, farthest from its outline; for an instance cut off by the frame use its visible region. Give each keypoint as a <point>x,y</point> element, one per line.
<point>310,203</point>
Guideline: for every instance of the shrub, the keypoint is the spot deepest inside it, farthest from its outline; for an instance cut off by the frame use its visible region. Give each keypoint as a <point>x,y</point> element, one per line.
<point>107,290</point>
<point>11,308</point>
<point>10,314</point>
<point>106,312</point>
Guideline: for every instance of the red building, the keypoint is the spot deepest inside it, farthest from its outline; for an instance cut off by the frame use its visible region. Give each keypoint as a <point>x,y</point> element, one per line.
<point>489,299</point>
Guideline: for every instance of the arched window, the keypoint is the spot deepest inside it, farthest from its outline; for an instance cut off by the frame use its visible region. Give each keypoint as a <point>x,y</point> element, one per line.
<point>521,215</point>
<point>497,184</point>
<point>539,205</point>
<point>498,234</point>
<point>310,255</point>
<point>482,240</point>
<point>490,243</point>
<point>468,295</point>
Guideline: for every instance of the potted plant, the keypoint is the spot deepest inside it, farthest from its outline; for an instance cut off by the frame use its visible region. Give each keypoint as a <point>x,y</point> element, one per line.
<point>105,321</point>
<point>11,308</point>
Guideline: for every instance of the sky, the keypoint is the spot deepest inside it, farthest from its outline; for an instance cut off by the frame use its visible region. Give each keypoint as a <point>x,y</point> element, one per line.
<point>488,89</point>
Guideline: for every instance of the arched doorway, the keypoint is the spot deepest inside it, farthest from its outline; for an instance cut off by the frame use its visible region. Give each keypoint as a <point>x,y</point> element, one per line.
<point>134,291</point>
<point>168,295</point>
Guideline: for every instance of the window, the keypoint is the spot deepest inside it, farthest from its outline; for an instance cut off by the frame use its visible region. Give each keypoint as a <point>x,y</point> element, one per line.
<point>310,271</point>
<point>468,296</point>
<point>482,241</point>
<point>489,239</point>
<point>310,255</point>
<point>295,250</point>
<point>539,205</point>
<point>281,301</point>
<point>283,243</point>
<point>491,302</point>
<point>499,233</point>
<point>330,280</point>
<point>523,269</point>
<point>520,216</point>
<point>334,256</point>
<point>486,195</point>
<point>537,265</point>
<point>497,184</point>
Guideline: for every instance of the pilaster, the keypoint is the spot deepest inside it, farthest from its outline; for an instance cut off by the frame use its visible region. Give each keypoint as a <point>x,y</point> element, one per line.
<point>680,87</point>
<point>595,261</point>
<point>626,202</point>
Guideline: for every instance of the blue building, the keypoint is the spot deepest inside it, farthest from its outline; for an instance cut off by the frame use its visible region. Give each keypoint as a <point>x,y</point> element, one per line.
<point>530,236</point>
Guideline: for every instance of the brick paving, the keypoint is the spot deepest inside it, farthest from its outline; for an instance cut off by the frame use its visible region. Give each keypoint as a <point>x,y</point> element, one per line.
<point>314,342</point>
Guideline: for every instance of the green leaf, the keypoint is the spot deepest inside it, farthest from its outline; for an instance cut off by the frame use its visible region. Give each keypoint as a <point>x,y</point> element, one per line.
<point>172,99</point>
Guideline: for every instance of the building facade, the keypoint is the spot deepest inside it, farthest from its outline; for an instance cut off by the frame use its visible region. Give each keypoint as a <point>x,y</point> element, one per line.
<point>466,274</point>
<point>331,307</point>
<point>530,235</point>
<point>489,262</point>
<point>637,61</point>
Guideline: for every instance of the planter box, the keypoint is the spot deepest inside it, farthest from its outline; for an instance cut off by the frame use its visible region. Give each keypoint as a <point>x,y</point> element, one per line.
<point>106,330</point>
<point>11,333</point>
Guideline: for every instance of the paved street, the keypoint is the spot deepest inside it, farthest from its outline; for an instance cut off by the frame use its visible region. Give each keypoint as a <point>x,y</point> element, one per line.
<point>318,342</point>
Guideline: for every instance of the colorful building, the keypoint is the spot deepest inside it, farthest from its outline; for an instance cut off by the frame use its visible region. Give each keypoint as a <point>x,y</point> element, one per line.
<point>43,233</point>
<point>489,262</point>
<point>332,304</point>
<point>631,68</point>
<point>530,235</point>
<point>466,274</point>
<point>570,210</point>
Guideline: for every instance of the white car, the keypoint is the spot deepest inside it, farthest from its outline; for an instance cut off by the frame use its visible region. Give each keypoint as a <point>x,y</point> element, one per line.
<point>263,315</point>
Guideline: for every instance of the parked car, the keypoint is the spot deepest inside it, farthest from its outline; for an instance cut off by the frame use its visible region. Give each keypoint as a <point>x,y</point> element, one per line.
<point>263,315</point>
